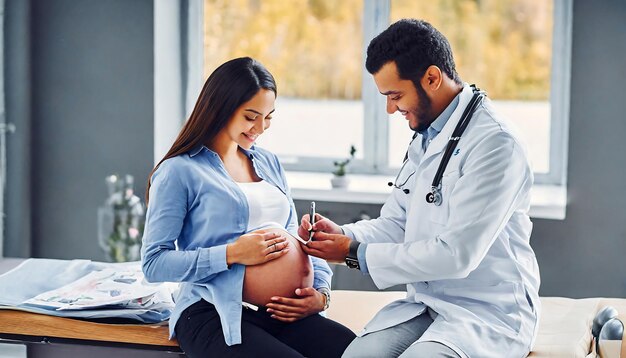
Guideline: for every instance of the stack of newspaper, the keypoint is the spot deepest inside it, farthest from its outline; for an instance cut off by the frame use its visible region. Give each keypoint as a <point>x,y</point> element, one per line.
<point>86,289</point>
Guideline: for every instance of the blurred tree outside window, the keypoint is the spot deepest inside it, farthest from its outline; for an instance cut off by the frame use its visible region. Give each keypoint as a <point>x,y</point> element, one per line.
<point>314,49</point>
<point>504,47</point>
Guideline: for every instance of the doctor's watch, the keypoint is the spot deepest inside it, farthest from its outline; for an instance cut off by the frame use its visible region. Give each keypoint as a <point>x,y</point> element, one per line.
<point>352,260</point>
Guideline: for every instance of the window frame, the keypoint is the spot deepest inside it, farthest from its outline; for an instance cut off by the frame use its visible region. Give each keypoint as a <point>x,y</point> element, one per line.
<point>560,76</point>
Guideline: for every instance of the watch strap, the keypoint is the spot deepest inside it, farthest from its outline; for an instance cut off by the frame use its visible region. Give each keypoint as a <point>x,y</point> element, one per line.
<point>352,260</point>
<point>326,292</point>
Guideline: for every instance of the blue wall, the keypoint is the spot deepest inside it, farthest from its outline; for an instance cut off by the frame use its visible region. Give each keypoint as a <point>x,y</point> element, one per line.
<point>86,111</point>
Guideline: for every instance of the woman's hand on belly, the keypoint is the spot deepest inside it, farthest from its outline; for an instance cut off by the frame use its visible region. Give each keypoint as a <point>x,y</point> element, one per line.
<point>280,277</point>
<point>256,248</point>
<point>308,302</point>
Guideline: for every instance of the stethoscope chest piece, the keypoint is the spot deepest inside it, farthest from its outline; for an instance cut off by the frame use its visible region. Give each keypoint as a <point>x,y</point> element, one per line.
<point>434,196</point>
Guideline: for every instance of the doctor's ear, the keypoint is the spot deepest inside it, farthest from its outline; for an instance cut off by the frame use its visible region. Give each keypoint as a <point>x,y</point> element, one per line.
<point>432,79</point>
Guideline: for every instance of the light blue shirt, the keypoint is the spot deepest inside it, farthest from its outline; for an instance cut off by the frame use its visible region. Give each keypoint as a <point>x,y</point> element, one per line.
<point>195,210</point>
<point>437,125</point>
<point>427,136</point>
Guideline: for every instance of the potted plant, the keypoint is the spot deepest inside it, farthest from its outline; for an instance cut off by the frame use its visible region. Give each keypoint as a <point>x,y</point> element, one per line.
<point>339,179</point>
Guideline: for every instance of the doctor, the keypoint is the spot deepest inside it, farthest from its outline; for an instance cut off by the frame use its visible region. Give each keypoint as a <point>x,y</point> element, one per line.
<point>471,276</point>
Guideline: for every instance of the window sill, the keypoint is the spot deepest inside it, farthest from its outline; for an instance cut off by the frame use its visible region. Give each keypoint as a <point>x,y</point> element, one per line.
<point>547,201</point>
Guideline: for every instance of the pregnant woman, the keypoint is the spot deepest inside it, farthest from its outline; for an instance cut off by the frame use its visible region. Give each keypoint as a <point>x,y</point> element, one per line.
<point>247,288</point>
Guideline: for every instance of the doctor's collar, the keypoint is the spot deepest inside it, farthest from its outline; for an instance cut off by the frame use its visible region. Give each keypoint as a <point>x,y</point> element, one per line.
<point>442,119</point>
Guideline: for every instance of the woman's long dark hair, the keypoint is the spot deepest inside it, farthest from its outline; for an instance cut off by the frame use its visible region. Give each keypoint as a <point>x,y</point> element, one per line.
<point>228,87</point>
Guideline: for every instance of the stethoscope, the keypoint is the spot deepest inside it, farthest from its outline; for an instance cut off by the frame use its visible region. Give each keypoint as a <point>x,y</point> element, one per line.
<point>434,196</point>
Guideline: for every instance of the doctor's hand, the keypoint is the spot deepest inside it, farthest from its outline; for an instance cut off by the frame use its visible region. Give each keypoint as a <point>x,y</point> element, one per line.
<point>308,302</point>
<point>321,224</point>
<point>331,247</point>
<point>256,248</point>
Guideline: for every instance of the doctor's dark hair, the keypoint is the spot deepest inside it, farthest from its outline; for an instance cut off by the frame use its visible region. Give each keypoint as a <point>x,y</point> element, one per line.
<point>232,84</point>
<point>413,45</point>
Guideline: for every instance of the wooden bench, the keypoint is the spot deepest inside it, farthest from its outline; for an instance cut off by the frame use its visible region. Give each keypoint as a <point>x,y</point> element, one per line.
<point>564,329</point>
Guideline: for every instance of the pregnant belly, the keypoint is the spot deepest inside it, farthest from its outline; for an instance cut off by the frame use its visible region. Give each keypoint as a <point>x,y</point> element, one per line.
<point>279,277</point>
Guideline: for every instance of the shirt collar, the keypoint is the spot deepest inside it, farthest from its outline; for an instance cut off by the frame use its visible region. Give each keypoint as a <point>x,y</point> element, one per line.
<point>195,151</point>
<point>438,124</point>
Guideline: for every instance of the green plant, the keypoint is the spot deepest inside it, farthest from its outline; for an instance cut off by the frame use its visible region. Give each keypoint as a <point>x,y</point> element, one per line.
<point>341,165</point>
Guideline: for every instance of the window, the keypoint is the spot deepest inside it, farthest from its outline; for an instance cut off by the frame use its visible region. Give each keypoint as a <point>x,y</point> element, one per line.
<point>319,94</point>
<point>518,51</point>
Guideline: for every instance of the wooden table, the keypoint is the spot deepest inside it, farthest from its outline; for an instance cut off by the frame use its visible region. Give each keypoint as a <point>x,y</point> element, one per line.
<point>38,330</point>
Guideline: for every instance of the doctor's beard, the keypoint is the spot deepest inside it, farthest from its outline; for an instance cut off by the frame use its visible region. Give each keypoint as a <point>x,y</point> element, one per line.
<point>424,112</point>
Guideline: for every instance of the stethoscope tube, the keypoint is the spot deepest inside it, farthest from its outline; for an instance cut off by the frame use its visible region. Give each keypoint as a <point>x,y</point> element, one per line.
<point>434,196</point>
<point>395,185</point>
<point>404,162</point>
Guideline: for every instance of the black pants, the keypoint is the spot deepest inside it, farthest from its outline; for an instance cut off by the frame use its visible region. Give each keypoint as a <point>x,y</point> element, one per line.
<point>199,333</point>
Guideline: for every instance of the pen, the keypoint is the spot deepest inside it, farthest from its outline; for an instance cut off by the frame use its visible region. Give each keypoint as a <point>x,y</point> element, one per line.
<point>311,219</point>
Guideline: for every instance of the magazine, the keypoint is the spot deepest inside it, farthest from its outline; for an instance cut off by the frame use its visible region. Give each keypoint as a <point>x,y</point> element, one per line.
<point>122,288</point>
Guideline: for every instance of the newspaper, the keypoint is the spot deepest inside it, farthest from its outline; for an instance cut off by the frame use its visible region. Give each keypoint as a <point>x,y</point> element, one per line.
<point>104,288</point>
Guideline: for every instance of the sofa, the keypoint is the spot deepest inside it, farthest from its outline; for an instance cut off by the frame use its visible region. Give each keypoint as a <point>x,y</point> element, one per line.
<point>564,327</point>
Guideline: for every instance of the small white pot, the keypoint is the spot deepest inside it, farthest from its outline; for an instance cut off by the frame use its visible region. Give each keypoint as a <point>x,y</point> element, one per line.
<point>339,181</point>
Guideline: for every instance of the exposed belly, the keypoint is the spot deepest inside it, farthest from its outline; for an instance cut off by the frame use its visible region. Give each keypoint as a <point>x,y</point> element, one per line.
<point>279,277</point>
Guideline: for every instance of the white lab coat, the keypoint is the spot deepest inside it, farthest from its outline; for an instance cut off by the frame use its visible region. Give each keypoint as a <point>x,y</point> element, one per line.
<point>468,259</point>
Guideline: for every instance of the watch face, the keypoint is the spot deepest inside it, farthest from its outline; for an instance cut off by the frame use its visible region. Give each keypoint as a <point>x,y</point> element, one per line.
<point>327,295</point>
<point>352,263</point>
